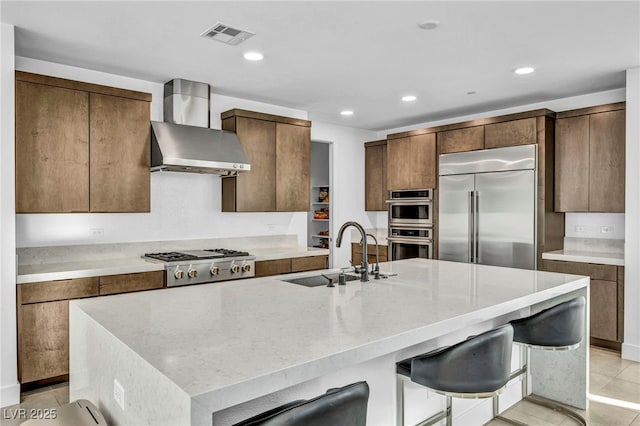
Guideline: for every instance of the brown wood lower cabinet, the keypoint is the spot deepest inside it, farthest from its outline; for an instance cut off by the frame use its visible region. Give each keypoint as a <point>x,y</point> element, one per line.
<point>43,319</point>
<point>125,283</point>
<point>356,253</point>
<point>43,326</point>
<point>266,268</point>
<point>607,299</point>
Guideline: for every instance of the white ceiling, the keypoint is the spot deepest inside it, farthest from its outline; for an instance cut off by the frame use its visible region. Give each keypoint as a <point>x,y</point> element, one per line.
<point>326,56</point>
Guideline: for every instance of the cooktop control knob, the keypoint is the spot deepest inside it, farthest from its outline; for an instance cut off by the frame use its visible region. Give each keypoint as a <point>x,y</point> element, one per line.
<point>246,267</point>
<point>235,268</point>
<point>192,273</point>
<point>214,270</point>
<point>179,274</point>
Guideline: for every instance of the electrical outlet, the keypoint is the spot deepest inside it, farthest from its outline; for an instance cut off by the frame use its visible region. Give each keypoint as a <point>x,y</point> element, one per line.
<point>580,228</point>
<point>97,232</point>
<point>118,393</point>
<point>606,229</point>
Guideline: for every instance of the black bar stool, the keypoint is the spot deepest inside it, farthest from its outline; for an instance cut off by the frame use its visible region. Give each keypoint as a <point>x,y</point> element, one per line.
<point>558,328</point>
<point>478,367</point>
<point>345,406</point>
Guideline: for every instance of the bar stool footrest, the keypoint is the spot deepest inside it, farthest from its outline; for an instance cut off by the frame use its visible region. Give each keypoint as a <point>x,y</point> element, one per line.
<point>545,402</point>
<point>510,421</point>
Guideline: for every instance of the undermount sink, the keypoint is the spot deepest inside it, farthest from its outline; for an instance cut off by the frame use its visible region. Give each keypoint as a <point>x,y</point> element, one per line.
<point>318,280</point>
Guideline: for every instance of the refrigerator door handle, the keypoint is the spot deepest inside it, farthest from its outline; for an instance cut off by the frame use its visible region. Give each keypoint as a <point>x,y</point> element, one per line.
<point>471,224</point>
<point>476,233</point>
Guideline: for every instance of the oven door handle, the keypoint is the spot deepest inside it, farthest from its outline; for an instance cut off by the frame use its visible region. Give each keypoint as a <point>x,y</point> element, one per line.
<point>419,241</point>
<point>410,201</point>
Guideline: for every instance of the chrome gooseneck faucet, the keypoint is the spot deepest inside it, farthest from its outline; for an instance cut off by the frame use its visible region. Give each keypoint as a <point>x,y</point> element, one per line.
<point>363,269</point>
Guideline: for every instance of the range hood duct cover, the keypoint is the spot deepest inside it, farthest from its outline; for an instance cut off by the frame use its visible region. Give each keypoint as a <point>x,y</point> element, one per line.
<point>185,143</point>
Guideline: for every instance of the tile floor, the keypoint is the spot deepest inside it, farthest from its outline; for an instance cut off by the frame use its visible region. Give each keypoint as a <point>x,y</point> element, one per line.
<point>614,397</point>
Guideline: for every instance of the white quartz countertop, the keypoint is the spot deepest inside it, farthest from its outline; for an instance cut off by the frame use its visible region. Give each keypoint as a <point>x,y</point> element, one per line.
<point>585,257</point>
<point>83,269</point>
<point>222,343</point>
<point>133,264</point>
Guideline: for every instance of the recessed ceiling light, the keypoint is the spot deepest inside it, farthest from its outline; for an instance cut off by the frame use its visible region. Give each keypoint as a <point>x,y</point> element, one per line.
<point>429,25</point>
<point>409,98</point>
<point>524,70</point>
<point>253,56</point>
<point>346,112</point>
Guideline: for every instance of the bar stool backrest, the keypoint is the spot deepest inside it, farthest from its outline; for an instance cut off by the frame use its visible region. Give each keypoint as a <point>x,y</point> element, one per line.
<point>345,406</point>
<point>559,326</point>
<point>479,365</point>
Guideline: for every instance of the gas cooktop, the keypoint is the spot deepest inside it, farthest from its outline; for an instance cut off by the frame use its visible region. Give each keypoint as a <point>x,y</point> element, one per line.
<point>175,256</point>
<point>204,266</point>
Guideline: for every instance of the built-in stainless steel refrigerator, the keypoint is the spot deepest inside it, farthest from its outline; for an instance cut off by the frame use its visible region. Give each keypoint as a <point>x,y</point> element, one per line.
<point>487,208</point>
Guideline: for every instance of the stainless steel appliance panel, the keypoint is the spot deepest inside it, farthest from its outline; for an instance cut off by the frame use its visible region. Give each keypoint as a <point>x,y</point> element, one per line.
<point>488,160</point>
<point>506,208</point>
<point>455,218</point>
<point>410,213</point>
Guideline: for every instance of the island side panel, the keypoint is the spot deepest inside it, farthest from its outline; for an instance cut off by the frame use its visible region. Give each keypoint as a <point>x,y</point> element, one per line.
<point>97,358</point>
<point>562,375</point>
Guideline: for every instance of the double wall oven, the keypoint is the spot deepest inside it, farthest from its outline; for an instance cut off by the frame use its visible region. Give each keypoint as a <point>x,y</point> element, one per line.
<point>410,224</point>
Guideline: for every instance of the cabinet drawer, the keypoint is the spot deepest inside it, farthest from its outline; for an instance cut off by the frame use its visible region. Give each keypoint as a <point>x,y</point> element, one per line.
<point>310,263</point>
<point>595,271</point>
<point>265,268</point>
<point>510,133</point>
<point>47,291</point>
<point>125,283</point>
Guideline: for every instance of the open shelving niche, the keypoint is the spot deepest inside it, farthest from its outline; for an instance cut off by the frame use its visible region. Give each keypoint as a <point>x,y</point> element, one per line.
<point>317,225</point>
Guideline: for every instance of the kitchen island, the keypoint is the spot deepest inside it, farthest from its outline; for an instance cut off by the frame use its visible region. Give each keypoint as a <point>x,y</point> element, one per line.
<point>218,353</point>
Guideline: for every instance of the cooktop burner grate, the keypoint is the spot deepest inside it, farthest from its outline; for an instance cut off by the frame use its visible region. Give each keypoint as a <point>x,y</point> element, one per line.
<point>170,256</point>
<point>228,252</point>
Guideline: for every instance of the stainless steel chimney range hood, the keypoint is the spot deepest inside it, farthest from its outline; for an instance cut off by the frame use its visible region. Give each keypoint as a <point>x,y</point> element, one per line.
<point>183,142</point>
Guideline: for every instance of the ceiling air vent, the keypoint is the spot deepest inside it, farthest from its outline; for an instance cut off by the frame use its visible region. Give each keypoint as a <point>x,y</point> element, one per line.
<point>226,34</point>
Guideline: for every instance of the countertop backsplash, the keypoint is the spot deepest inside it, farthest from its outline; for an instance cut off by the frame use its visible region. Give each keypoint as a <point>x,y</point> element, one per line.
<point>594,245</point>
<point>88,252</point>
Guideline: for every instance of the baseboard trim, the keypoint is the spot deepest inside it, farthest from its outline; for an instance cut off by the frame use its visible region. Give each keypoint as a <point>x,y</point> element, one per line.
<point>10,395</point>
<point>631,352</point>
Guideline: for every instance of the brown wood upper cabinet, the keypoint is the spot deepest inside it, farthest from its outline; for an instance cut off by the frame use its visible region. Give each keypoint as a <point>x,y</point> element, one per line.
<point>279,151</point>
<point>510,133</point>
<point>459,140</point>
<point>590,159</point>
<point>375,176</point>
<point>80,147</point>
<point>411,162</point>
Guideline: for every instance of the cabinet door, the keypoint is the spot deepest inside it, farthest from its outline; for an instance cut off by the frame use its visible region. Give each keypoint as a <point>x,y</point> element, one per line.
<point>607,161</point>
<point>52,149</point>
<point>375,179</point>
<point>293,167</point>
<point>43,339</point>
<point>256,190</point>
<point>423,161</point>
<point>120,155</point>
<point>459,140</point>
<point>604,309</point>
<point>399,163</point>
<point>510,133</point>
<point>572,164</point>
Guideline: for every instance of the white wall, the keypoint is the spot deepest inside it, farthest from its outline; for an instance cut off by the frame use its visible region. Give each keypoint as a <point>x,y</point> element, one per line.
<point>9,387</point>
<point>589,225</point>
<point>183,205</point>
<point>347,201</point>
<point>631,345</point>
